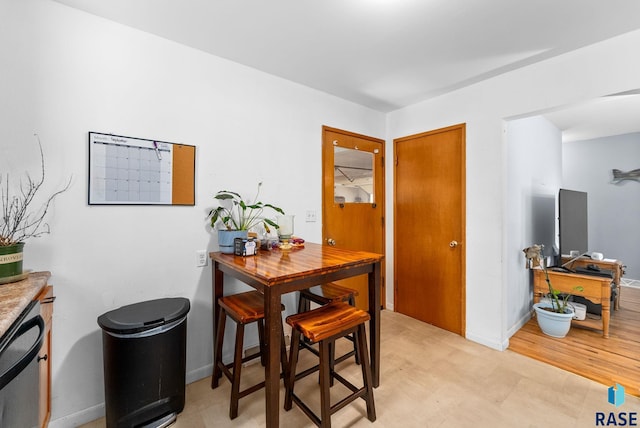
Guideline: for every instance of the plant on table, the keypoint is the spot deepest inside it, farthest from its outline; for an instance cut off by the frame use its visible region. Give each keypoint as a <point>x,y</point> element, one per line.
<point>234,213</point>
<point>559,302</point>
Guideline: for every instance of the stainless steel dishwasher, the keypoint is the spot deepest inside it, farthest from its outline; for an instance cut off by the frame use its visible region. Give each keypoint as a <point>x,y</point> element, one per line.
<point>19,372</point>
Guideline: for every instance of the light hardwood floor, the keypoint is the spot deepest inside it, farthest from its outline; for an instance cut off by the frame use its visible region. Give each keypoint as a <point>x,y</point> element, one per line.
<point>429,378</point>
<point>585,352</point>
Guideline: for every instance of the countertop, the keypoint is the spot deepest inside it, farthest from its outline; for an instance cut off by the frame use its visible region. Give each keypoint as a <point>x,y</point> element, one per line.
<point>15,297</point>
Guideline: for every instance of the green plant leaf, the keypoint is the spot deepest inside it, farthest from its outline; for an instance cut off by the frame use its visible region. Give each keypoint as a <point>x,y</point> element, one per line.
<point>246,216</point>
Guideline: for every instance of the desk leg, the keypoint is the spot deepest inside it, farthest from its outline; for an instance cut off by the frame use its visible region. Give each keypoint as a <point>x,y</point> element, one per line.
<point>374,323</point>
<point>273,325</point>
<point>606,309</point>
<point>217,287</point>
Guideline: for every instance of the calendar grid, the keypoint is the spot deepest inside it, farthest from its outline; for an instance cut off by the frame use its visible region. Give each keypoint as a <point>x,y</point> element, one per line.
<point>130,171</point>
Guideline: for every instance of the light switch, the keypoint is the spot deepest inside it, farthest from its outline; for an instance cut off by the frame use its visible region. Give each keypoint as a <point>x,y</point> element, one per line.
<point>311,216</point>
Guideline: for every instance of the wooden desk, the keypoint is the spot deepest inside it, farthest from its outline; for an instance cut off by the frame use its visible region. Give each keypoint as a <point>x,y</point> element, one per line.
<point>614,266</point>
<point>277,272</point>
<point>597,289</point>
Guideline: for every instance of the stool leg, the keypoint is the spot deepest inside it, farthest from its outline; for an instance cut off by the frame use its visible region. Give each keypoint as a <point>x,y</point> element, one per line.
<point>325,383</point>
<point>262,341</point>
<point>293,360</point>
<point>352,302</point>
<point>332,361</point>
<point>366,372</point>
<point>304,305</point>
<point>237,368</point>
<point>301,300</point>
<point>284,363</point>
<point>217,358</point>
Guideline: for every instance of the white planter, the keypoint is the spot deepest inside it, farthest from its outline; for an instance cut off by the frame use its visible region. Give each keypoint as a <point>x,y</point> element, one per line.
<point>552,323</point>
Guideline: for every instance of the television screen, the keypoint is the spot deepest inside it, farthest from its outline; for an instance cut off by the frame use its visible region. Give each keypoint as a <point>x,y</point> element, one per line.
<point>572,222</point>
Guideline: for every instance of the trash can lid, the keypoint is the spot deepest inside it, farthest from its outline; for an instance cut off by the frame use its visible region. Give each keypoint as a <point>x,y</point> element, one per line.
<point>143,316</point>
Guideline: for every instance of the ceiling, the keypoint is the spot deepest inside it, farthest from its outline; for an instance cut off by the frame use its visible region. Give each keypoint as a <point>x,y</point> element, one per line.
<point>386,54</point>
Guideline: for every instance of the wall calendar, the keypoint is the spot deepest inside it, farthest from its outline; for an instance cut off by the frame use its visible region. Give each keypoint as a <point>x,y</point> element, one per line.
<point>135,171</point>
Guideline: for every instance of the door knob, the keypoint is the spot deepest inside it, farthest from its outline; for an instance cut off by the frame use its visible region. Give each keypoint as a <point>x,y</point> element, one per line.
<point>331,242</point>
<point>453,244</point>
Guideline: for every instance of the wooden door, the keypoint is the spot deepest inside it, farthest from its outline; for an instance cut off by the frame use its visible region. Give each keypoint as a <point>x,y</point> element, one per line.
<point>429,222</point>
<point>353,198</point>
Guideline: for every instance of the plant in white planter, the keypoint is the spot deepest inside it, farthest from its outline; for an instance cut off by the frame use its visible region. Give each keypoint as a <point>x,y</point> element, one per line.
<point>235,216</point>
<point>555,314</point>
<point>20,220</point>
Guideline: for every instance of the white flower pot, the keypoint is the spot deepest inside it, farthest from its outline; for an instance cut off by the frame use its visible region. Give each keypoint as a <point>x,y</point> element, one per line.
<point>552,323</point>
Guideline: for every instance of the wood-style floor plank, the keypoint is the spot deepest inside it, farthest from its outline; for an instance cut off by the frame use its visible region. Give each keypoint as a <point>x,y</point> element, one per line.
<point>585,352</point>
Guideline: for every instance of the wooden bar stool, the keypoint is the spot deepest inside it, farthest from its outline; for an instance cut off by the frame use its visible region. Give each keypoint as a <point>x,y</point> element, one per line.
<point>243,308</point>
<point>323,326</point>
<point>324,294</point>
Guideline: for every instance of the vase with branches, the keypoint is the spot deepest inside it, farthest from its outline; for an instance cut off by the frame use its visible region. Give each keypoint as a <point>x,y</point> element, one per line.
<point>22,217</point>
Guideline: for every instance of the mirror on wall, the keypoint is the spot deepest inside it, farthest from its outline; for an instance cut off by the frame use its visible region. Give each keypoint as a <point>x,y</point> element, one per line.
<point>352,175</point>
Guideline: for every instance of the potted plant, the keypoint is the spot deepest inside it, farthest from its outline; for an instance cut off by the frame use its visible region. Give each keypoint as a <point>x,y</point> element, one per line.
<point>235,217</point>
<point>555,313</point>
<point>20,220</point>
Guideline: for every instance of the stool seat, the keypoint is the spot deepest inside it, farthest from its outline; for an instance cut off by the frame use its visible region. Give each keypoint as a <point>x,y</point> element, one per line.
<point>327,321</point>
<point>245,307</point>
<point>327,293</point>
<point>324,294</point>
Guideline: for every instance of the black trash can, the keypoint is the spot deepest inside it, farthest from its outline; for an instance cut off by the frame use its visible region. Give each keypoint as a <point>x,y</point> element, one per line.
<point>144,350</point>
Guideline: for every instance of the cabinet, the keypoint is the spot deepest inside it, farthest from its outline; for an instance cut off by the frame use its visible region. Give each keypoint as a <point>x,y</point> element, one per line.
<point>46,299</point>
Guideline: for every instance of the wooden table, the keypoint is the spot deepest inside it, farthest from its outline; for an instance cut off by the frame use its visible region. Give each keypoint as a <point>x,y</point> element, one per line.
<point>615,266</point>
<point>596,289</point>
<point>277,272</point>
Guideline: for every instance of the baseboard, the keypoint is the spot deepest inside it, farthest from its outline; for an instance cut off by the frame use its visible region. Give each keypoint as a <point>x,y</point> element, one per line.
<point>200,373</point>
<point>79,418</point>
<point>499,346</point>
<point>631,283</point>
<point>96,412</point>
<point>521,322</point>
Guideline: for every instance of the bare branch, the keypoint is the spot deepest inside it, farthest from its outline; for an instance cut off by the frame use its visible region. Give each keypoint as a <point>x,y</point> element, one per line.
<point>19,221</point>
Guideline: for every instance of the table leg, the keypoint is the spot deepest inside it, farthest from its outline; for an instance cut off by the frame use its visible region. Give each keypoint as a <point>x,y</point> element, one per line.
<point>374,323</point>
<point>217,288</point>
<point>273,326</point>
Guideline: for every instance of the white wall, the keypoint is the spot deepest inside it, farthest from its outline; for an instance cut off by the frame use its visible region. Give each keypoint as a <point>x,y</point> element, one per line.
<point>65,73</point>
<point>534,174</point>
<point>600,69</point>
<point>612,208</point>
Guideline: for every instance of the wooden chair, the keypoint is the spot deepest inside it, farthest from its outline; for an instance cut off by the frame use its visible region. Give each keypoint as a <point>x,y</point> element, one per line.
<point>324,294</point>
<point>243,308</point>
<point>323,326</point>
